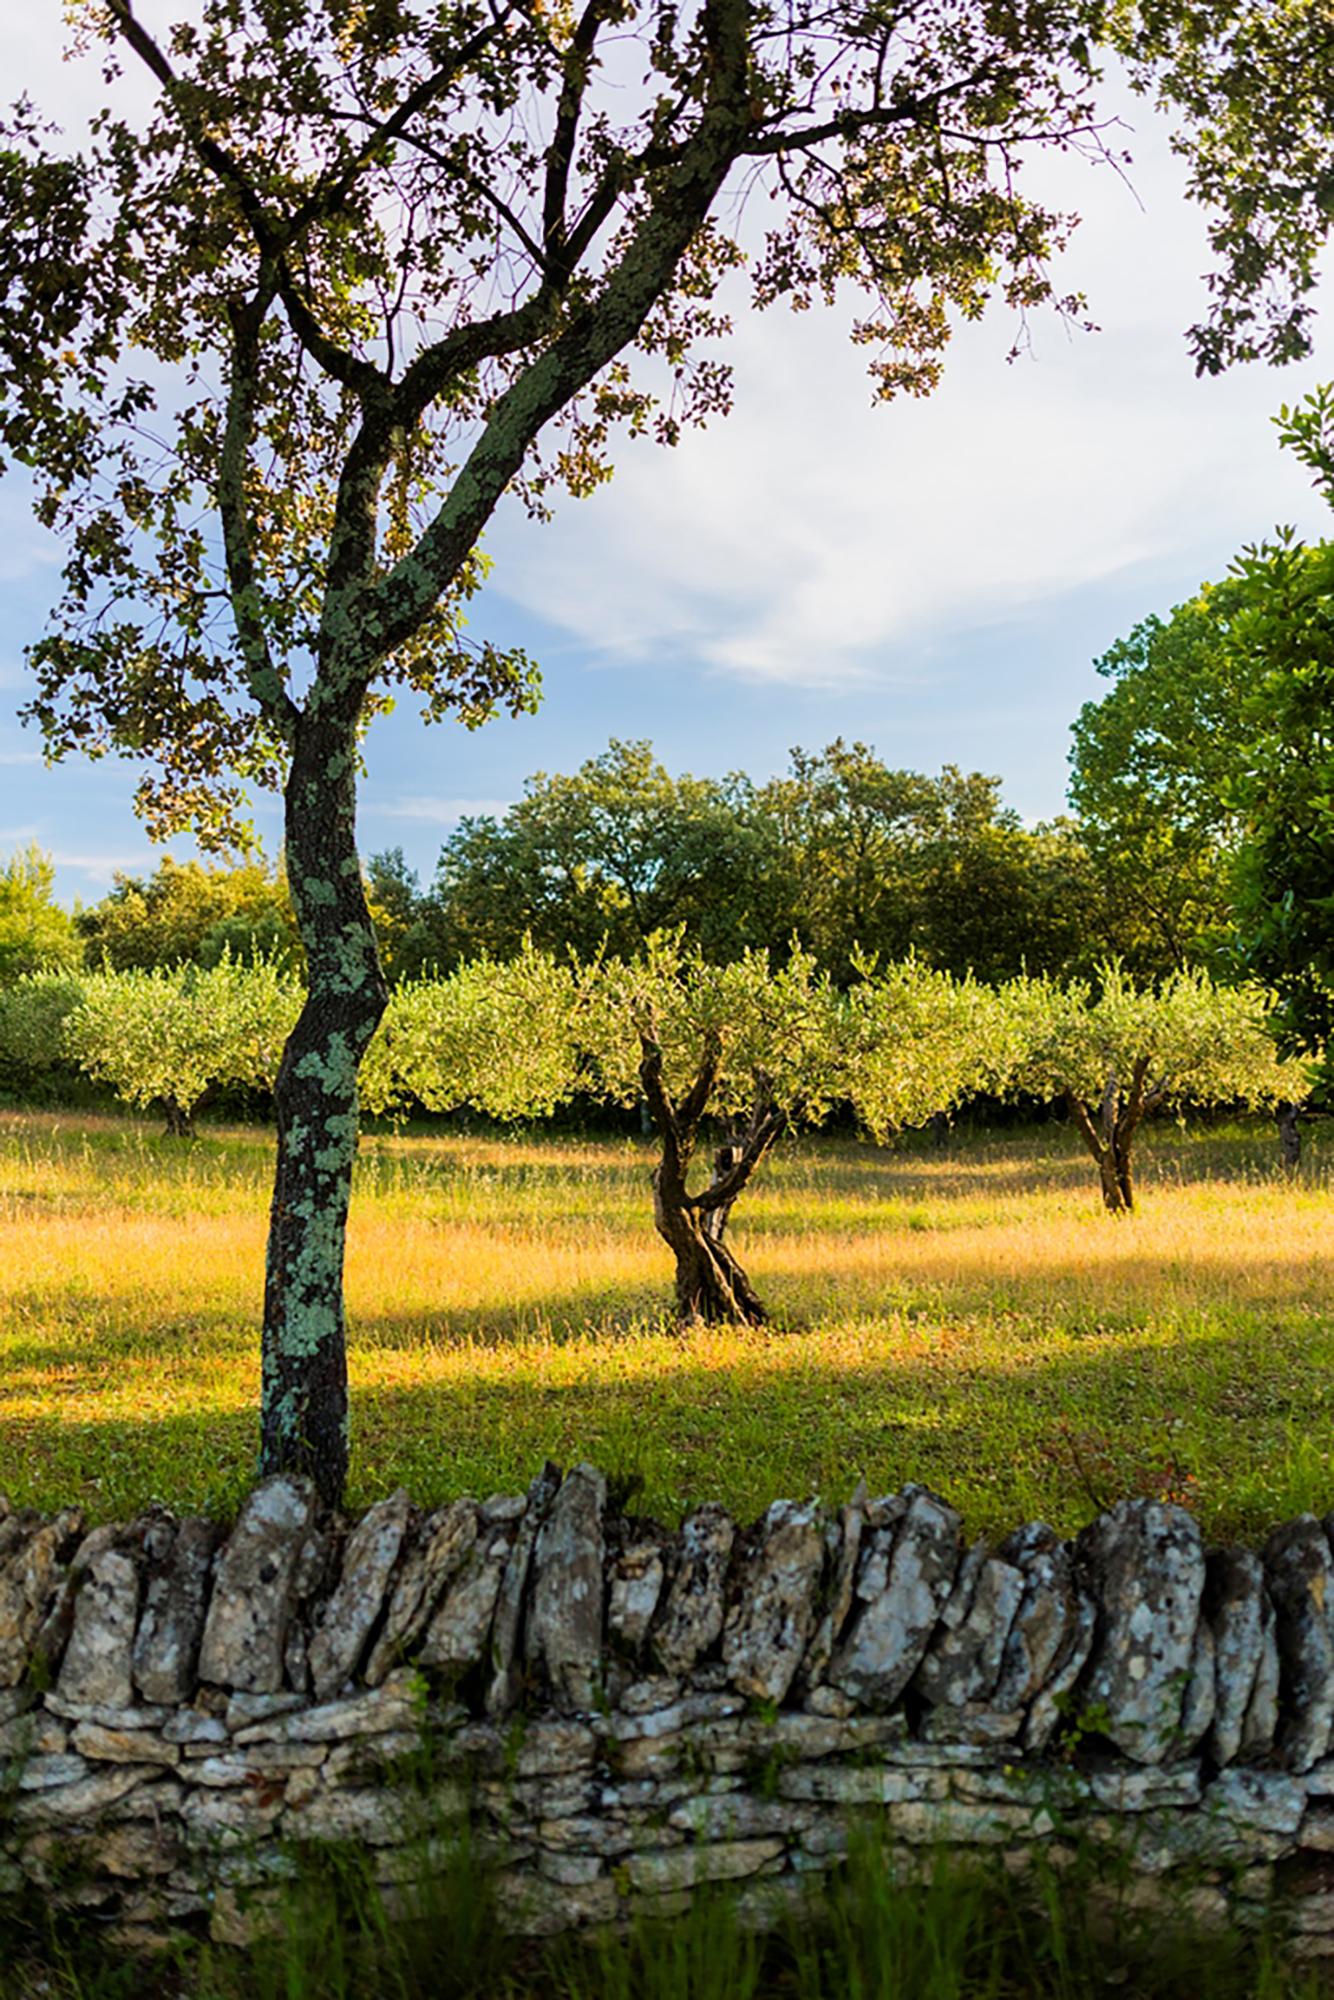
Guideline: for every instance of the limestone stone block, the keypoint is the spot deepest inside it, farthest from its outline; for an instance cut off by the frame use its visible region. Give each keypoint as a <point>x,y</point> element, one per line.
<point>904,1584</point>
<point>254,1588</point>
<point>565,1611</point>
<point>446,1541</point>
<point>97,1662</point>
<point>370,1557</point>
<point>171,1625</point>
<point>1300,1573</point>
<point>691,1618</point>
<point>770,1623</point>
<point>1144,1561</point>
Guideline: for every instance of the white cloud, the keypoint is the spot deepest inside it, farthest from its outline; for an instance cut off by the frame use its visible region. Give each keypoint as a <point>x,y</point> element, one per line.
<point>444,812</point>
<point>20,757</point>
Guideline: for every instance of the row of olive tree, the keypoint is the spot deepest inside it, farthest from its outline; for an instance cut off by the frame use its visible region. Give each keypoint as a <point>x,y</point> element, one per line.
<point>756,1048</point>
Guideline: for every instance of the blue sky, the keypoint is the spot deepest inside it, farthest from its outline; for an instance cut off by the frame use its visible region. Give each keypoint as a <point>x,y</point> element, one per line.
<point>934,577</point>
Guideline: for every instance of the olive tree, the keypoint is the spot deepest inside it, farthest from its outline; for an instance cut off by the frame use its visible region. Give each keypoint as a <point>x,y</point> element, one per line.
<point>498,1037</point>
<point>275,351</point>
<point>33,1013</point>
<point>919,1042</point>
<point>758,1046</point>
<point>166,1035</point>
<point>1119,1052</point>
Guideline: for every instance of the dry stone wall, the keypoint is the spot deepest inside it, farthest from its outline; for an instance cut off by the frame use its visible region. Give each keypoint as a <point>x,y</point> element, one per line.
<point>623,1713</point>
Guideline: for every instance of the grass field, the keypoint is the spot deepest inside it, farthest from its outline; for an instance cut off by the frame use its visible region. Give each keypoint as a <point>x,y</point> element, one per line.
<point>972,1320</point>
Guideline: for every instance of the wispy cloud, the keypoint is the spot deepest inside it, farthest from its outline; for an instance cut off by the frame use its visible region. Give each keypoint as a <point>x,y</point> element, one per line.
<point>444,812</point>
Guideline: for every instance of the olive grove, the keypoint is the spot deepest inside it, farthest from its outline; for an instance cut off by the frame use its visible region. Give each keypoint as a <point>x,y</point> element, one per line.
<point>275,352</point>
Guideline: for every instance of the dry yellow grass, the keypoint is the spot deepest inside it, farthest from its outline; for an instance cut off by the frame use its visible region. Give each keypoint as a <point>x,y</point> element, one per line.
<point>973,1320</point>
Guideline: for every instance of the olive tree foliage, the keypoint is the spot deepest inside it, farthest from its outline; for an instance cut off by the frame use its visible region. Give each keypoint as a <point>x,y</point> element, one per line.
<point>919,1042</point>
<point>1118,1052</point>
<point>166,1036</point>
<point>33,1011</point>
<point>760,1046</point>
<point>275,352</point>
<point>500,1038</point>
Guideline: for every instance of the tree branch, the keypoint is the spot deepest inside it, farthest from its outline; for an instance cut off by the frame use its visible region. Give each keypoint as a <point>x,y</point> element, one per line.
<point>262,676</point>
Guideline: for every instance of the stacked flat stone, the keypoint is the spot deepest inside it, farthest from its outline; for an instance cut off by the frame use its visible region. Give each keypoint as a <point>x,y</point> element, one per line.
<point>626,1712</point>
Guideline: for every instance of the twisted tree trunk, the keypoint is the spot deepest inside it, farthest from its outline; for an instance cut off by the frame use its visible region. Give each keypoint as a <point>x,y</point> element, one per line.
<point>711,1285</point>
<point>1110,1133</point>
<point>1289,1133</point>
<point>303,1425</point>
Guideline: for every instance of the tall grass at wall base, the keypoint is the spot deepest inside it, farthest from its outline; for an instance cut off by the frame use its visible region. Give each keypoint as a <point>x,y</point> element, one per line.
<point>968,1931</point>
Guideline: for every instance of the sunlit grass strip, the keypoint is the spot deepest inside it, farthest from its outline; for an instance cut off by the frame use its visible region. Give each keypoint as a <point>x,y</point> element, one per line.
<point>973,1320</point>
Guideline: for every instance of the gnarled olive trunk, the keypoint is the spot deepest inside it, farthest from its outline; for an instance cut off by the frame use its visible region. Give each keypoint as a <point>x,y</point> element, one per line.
<point>304,1417</point>
<point>710,1282</point>
<point>1109,1133</point>
<point>1289,1134</point>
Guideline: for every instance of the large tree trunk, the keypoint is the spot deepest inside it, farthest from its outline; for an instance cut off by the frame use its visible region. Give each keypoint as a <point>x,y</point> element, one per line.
<point>304,1416</point>
<point>1109,1135</point>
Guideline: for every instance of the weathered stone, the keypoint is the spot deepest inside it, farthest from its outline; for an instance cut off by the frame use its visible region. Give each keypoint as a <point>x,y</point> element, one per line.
<point>53,1634</point>
<point>769,1626</point>
<point>889,1635</point>
<point>188,1725</point>
<point>1199,1700</point>
<point>941,1820</point>
<point>31,1572</point>
<point>387,1707</point>
<point>504,1658</point>
<point>827,1701</point>
<point>1261,1724</point>
<point>962,1662</point>
<point>844,1551</point>
<point>96,1666</point>
<point>634,1590</point>
<point>123,1746</point>
<point>1145,1562</point>
<point>1298,1570</point>
<point>1140,1788</point>
<point>446,1542</point>
<point>564,1636</point>
<point>369,1558</point>
<point>1048,1706</point>
<point>650,1696</point>
<point>456,1638</point>
<point>244,1709</point>
<point>296,1657</point>
<point>245,1632</point>
<point>80,1802</point>
<point>684,1867</point>
<point>138,1716</point>
<point>691,1617</point>
<point>366,1758</point>
<point>860,1785</point>
<point>233,1818</point>
<point>974,1722</point>
<point>32,1735</point>
<point>40,1773</point>
<point>166,1645</point>
<point>1234,1597</point>
<point>1265,1801</point>
<point>1045,1618</point>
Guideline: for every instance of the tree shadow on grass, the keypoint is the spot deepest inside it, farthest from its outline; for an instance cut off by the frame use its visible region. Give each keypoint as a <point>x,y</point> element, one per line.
<point>1231,1425</point>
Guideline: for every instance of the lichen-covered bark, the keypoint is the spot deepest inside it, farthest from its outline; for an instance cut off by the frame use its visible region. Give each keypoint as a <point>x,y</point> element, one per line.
<point>304,1416</point>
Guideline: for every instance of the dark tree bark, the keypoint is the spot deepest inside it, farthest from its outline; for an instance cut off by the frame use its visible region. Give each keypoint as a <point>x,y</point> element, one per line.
<point>304,1423</point>
<point>180,1124</point>
<point>940,1130</point>
<point>1288,1118</point>
<point>711,1285</point>
<point>1109,1133</point>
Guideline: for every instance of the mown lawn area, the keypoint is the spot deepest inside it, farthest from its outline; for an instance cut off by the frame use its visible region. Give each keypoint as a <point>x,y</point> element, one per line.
<point>970,1319</point>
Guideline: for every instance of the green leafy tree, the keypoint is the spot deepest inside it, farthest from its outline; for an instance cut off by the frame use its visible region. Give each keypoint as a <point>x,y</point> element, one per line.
<point>1121,1053</point>
<point>166,1036</point>
<point>1153,766</point>
<point>1281,648</point>
<point>35,932</point>
<point>604,858</point>
<point>275,354</point>
<point>920,1042</point>
<point>33,1011</point>
<point>500,1037</point>
<point>762,1047</point>
<point>186,912</point>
